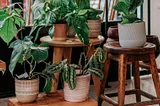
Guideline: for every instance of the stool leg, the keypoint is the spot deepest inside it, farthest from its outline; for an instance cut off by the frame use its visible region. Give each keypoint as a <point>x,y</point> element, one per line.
<point>154,71</point>
<point>122,79</point>
<point>136,79</point>
<point>103,82</point>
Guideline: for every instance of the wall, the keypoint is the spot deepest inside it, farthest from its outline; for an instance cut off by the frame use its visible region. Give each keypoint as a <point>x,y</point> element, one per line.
<point>155,16</point>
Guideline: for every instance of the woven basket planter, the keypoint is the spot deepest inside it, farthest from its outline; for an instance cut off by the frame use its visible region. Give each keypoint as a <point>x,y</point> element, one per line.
<point>94,28</point>
<point>27,90</point>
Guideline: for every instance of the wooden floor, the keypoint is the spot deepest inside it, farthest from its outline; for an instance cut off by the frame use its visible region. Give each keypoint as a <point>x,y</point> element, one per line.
<point>146,84</point>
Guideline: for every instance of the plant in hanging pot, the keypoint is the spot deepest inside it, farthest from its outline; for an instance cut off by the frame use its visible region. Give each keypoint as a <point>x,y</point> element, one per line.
<point>57,11</point>
<point>92,15</point>
<point>77,77</point>
<point>131,30</point>
<point>27,53</point>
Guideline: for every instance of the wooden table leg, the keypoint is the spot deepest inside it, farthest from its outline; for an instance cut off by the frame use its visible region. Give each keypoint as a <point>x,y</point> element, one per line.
<point>68,53</point>
<point>136,79</point>
<point>122,70</point>
<point>103,82</point>
<point>57,56</point>
<point>154,71</point>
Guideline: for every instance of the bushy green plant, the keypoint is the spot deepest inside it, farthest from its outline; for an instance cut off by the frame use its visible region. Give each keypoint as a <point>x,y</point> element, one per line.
<point>47,12</point>
<point>127,9</point>
<point>94,66</point>
<point>25,51</point>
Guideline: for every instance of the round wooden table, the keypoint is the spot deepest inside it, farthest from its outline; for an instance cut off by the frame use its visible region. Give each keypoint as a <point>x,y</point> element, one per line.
<point>64,49</point>
<point>124,56</point>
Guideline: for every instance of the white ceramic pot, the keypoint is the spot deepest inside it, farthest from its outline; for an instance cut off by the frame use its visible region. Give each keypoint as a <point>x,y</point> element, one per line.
<point>94,28</point>
<point>27,90</point>
<point>132,35</point>
<point>80,93</point>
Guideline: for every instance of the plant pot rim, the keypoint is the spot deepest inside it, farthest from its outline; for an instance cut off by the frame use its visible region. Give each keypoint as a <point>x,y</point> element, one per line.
<point>95,20</point>
<point>131,23</point>
<point>82,76</point>
<point>37,78</point>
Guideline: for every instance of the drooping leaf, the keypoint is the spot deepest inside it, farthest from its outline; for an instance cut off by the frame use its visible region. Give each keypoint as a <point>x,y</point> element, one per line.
<point>135,3</point>
<point>96,72</point>
<point>16,53</point>
<point>48,85</point>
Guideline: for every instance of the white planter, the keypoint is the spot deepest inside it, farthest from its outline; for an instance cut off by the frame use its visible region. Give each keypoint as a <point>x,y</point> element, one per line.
<point>27,90</point>
<point>80,93</point>
<point>132,35</point>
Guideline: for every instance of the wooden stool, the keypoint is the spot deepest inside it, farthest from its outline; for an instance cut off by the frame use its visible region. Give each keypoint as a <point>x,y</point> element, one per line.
<point>131,55</point>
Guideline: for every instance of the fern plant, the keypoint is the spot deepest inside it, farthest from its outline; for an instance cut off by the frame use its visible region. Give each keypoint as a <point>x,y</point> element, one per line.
<point>127,10</point>
<point>93,66</point>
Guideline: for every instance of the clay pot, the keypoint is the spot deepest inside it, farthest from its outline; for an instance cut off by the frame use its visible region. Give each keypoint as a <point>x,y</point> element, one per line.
<point>2,65</point>
<point>80,93</point>
<point>27,90</point>
<point>60,32</point>
<point>94,28</point>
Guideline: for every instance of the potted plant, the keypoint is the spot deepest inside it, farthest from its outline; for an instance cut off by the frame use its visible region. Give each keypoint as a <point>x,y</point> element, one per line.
<point>27,53</point>
<point>131,30</point>
<point>92,15</point>
<point>57,11</point>
<point>77,77</point>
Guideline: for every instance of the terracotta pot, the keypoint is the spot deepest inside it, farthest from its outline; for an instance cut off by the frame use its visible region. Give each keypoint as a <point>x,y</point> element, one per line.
<point>80,93</point>
<point>27,90</point>
<point>60,32</point>
<point>94,28</point>
<point>2,65</point>
<point>132,35</point>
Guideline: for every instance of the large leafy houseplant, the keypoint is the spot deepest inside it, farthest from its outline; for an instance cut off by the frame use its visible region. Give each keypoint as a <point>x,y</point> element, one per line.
<point>25,51</point>
<point>131,30</point>
<point>127,10</point>
<point>49,12</point>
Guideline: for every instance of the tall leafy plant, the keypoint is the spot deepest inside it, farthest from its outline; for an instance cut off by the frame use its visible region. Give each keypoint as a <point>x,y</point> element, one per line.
<point>25,51</point>
<point>127,9</point>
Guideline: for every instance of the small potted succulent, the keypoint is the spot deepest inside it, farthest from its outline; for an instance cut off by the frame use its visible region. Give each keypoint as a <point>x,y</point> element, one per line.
<point>77,77</point>
<point>131,30</point>
<point>27,53</point>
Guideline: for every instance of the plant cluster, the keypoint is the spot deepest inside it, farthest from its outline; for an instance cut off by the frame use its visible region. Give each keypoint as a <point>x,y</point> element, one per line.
<point>25,51</point>
<point>127,10</point>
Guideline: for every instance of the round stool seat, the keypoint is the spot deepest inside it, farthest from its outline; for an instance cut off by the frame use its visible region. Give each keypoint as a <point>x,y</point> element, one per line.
<point>114,47</point>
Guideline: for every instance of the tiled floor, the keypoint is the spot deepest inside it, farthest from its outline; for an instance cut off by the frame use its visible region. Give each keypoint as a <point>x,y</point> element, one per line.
<point>146,85</point>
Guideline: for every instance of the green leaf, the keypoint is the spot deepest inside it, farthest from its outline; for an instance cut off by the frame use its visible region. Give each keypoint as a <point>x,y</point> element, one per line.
<point>48,85</point>
<point>96,72</point>
<point>135,3</point>
<point>82,12</point>
<point>39,53</point>
<point>44,44</point>
<point>8,31</point>
<point>16,53</point>
<point>51,31</point>
<point>121,7</point>
<point>37,33</point>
